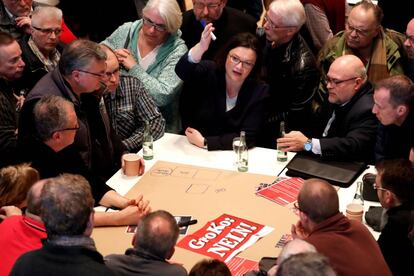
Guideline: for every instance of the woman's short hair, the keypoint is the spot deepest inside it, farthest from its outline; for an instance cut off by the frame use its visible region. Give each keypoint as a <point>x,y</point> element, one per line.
<point>169,11</point>
<point>15,182</point>
<point>246,40</point>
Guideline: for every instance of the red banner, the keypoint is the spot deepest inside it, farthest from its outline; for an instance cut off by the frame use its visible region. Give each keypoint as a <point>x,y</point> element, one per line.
<point>224,237</point>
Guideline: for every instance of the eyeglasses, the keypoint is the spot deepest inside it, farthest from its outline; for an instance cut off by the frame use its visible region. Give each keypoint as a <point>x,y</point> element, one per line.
<point>48,31</point>
<point>376,187</point>
<point>158,27</point>
<point>68,128</point>
<point>274,26</point>
<point>113,73</point>
<point>245,64</point>
<point>102,76</point>
<point>410,38</point>
<point>358,31</point>
<point>336,82</point>
<point>201,6</point>
<point>296,206</point>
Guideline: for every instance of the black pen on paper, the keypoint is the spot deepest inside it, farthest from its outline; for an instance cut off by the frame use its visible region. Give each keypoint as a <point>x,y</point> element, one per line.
<point>187,223</point>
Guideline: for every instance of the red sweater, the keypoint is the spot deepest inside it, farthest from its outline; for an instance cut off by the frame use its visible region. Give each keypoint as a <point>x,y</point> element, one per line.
<point>18,235</point>
<point>350,247</point>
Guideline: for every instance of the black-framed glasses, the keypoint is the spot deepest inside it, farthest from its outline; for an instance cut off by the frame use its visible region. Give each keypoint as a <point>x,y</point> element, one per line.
<point>202,6</point>
<point>296,206</point>
<point>68,128</point>
<point>376,187</point>
<point>113,73</point>
<point>48,31</point>
<point>336,82</point>
<point>237,60</point>
<point>358,31</point>
<point>102,75</point>
<point>150,23</point>
<point>274,26</point>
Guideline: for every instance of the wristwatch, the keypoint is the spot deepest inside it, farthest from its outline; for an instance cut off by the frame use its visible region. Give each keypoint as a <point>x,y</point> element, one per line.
<point>308,145</point>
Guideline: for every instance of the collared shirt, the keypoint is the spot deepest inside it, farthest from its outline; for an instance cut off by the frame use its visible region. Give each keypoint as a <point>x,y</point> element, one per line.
<point>129,107</point>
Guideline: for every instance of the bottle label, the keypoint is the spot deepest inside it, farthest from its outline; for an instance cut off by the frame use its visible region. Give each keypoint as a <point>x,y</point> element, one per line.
<point>147,149</point>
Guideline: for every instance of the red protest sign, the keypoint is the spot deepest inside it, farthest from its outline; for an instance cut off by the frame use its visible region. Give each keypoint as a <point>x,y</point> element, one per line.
<point>224,237</point>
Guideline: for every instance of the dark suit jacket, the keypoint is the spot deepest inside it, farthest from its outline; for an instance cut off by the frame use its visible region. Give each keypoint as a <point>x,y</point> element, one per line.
<point>231,22</point>
<point>352,133</point>
<point>203,104</point>
<point>394,141</point>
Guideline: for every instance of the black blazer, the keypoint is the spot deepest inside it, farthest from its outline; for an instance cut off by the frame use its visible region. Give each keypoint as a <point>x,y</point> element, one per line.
<point>203,104</point>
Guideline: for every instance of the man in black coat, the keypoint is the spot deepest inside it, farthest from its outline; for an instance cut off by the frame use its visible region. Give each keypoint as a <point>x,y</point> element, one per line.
<point>350,132</point>
<point>394,105</point>
<point>289,68</point>
<point>226,21</point>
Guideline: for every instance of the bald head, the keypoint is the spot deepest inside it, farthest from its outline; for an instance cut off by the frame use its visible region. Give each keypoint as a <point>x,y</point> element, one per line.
<point>157,234</point>
<point>409,42</point>
<point>345,77</point>
<point>320,191</point>
<point>294,247</point>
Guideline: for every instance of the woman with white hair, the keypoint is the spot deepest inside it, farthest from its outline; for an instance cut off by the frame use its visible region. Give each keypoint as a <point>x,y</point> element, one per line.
<point>149,49</point>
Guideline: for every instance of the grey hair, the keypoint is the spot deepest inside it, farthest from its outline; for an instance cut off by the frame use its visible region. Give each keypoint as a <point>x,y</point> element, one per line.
<point>291,12</point>
<point>169,11</point>
<point>45,12</point>
<point>79,54</point>
<point>50,114</point>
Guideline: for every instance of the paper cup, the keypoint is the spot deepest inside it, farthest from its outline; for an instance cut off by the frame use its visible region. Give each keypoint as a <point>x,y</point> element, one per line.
<point>354,211</point>
<point>131,164</point>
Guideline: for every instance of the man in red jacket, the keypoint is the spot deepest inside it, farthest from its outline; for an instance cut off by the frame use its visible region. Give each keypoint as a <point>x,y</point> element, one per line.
<point>348,244</point>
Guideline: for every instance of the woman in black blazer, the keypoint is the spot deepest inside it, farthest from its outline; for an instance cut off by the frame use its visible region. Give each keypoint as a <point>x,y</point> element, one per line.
<point>222,97</point>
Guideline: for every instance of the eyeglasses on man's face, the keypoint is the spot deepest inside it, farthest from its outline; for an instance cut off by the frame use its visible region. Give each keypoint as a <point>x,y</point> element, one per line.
<point>48,31</point>
<point>274,26</point>
<point>376,187</point>
<point>360,32</point>
<point>68,128</point>
<point>296,206</point>
<point>245,64</point>
<point>336,82</point>
<point>159,27</point>
<point>113,73</point>
<point>202,6</point>
<point>99,75</point>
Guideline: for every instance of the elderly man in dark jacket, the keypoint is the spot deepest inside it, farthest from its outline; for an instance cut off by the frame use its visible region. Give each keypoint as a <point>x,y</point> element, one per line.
<point>289,68</point>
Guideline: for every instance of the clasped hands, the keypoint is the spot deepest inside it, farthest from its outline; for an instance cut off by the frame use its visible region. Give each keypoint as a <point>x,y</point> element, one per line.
<point>292,141</point>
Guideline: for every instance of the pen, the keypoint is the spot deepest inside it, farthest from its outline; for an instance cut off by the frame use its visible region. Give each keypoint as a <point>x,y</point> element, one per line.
<point>203,23</point>
<point>187,223</point>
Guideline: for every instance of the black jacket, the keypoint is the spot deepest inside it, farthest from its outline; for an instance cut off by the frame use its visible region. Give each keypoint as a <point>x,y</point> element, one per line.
<point>395,245</point>
<point>394,141</point>
<point>291,72</point>
<point>203,104</point>
<point>96,141</point>
<point>230,23</point>
<point>352,134</point>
